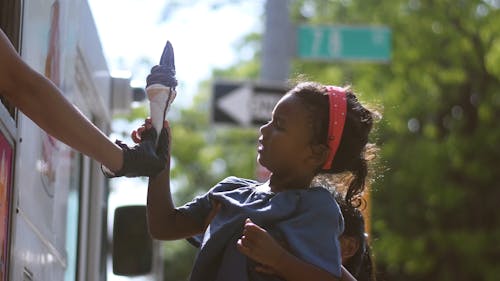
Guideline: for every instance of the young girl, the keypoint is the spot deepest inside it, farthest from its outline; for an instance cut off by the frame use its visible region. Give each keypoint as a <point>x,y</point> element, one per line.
<point>314,129</point>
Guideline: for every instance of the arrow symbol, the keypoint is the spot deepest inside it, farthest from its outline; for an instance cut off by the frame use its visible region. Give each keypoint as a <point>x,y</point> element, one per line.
<point>236,104</point>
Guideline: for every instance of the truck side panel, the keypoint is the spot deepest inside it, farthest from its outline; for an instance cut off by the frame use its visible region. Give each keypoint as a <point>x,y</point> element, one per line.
<point>59,196</point>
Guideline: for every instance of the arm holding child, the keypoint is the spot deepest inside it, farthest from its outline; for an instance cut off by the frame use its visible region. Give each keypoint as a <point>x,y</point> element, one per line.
<point>260,246</point>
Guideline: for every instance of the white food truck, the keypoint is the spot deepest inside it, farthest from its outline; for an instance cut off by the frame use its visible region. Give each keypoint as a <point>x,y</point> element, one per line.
<point>53,200</point>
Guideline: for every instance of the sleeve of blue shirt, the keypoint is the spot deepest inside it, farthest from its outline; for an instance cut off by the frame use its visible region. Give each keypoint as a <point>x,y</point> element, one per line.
<point>200,206</point>
<point>312,233</point>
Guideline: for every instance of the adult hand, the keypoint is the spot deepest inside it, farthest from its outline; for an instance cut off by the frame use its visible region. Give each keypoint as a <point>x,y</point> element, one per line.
<point>257,244</point>
<point>144,159</point>
<point>164,73</point>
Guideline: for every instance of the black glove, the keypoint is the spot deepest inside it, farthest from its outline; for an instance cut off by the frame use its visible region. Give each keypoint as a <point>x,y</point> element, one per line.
<point>143,159</point>
<point>164,73</point>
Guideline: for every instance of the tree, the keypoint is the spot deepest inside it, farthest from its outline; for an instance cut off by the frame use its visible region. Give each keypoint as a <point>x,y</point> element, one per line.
<point>435,204</point>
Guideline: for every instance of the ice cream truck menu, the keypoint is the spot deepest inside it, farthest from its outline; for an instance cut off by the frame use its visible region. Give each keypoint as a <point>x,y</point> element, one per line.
<point>5,188</point>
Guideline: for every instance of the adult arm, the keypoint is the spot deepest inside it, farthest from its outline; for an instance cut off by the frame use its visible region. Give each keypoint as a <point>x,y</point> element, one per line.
<point>40,100</point>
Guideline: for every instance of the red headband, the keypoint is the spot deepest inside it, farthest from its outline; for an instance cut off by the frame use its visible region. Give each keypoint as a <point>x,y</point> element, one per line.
<point>338,108</point>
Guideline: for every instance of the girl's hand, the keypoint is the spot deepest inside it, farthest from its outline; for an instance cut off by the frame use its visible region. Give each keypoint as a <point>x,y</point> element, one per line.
<point>147,133</point>
<point>257,244</point>
<point>138,135</point>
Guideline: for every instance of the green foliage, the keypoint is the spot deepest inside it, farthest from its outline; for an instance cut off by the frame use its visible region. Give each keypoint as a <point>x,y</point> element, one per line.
<point>435,197</point>
<point>179,256</point>
<point>138,112</point>
<point>434,209</point>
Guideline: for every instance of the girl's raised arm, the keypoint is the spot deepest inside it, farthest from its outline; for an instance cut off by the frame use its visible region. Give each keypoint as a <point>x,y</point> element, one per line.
<point>165,222</point>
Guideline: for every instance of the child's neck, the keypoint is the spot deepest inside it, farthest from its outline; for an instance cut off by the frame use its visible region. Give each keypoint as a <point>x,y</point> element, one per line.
<point>277,183</point>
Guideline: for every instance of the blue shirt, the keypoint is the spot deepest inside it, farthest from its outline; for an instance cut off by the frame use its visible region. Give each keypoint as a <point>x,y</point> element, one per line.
<point>308,220</point>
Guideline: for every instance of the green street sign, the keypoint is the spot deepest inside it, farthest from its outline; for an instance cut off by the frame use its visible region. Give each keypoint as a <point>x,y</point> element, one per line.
<point>344,43</point>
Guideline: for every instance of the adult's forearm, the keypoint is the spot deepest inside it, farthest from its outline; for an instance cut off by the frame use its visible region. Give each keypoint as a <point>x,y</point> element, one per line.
<point>51,111</point>
<point>40,100</point>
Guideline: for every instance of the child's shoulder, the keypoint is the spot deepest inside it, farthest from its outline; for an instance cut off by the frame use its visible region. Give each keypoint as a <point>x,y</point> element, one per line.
<point>233,182</point>
<point>319,196</point>
<point>320,192</point>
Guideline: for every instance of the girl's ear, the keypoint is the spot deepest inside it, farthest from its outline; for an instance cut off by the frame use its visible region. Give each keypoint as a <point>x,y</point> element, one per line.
<point>319,154</point>
<point>348,246</point>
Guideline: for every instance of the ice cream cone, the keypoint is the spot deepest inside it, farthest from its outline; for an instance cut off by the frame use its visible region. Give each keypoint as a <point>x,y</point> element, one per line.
<point>160,97</point>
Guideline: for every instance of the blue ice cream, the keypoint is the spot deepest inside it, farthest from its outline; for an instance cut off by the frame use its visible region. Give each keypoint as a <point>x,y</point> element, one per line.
<point>164,73</point>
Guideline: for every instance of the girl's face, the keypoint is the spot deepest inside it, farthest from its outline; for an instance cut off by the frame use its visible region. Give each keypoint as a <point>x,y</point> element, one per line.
<point>284,144</point>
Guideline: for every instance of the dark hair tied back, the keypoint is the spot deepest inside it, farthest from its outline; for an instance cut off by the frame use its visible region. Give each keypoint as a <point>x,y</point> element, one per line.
<point>357,184</point>
<point>350,156</point>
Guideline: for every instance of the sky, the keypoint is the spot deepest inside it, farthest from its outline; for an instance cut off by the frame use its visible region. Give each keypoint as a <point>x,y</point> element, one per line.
<point>203,39</point>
